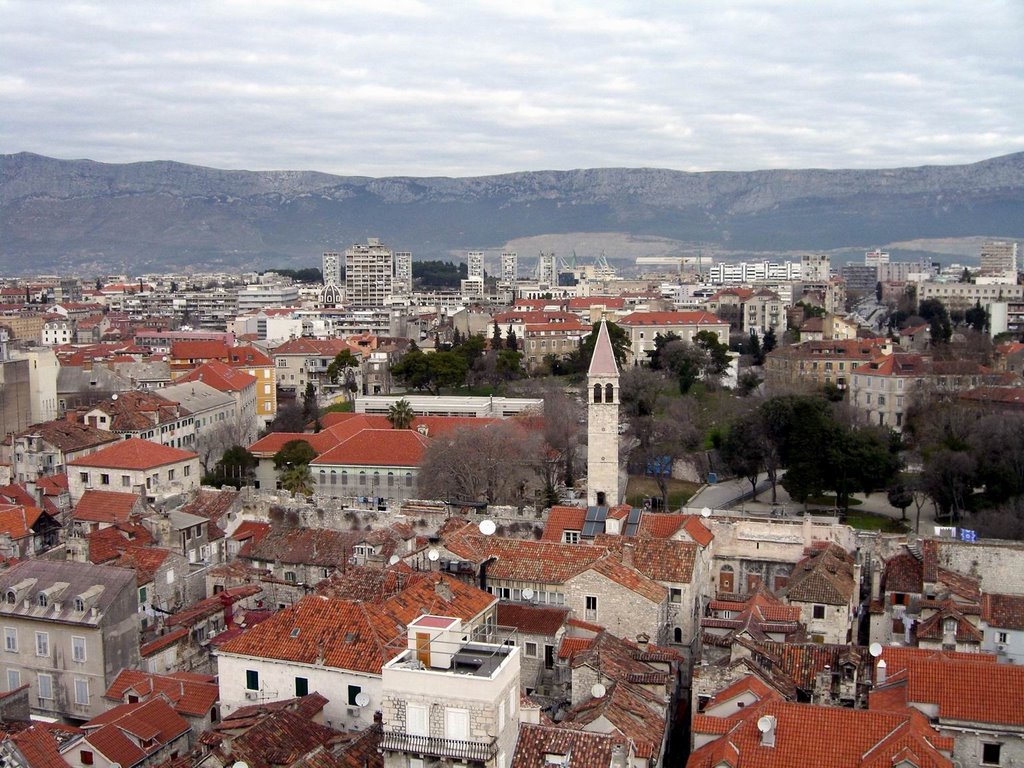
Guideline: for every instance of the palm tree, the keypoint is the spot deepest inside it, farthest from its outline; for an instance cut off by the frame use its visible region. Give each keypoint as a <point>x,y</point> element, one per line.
<point>401,414</point>
<point>297,479</point>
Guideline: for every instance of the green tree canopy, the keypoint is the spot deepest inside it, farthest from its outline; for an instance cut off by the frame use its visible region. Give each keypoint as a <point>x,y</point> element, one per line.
<point>293,453</point>
<point>401,414</point>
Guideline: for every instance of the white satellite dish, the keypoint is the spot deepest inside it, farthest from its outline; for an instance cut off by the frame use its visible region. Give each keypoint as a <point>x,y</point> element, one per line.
<point>765,723</point>
<point>362,699</point>
<point>487,527</point>
<point>598,691</point>
<point>240,764</point>
<point>433,555</point>
<point>705,512</point>
<point>875,649</point>
<point>394,559</point>
<point>114,397</point>
<point>527,594</point>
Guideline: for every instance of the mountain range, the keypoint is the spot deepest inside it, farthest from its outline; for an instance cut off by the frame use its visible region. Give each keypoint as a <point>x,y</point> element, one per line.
<point>83,217</point>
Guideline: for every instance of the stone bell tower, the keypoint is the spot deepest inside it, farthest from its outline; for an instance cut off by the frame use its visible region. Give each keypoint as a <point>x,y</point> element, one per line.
<point>603,424</point>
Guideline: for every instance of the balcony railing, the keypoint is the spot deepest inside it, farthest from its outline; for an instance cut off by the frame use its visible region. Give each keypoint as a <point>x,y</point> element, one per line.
<point>434,746</point>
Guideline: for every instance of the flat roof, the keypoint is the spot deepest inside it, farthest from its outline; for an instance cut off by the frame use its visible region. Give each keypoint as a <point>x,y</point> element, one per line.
<point>437,622</point>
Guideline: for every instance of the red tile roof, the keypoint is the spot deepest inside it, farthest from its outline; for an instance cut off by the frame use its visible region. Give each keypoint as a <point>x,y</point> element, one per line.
<point>190,695</point>
<point>16,520</point>
<point>377,448</point>
<point>199,350</point>
<point>532,619</point>
<point>1003,611</point>
<point>134,453</point>
<point>580,749</point>
<point>220,376</point>
<point>670,318</point>
<point>106,507</point>
<point>115,734</point>
<point>954,685</point>
<point>249,357</point>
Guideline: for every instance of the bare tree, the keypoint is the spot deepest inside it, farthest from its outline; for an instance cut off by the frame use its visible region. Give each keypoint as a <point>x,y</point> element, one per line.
<point>661,440</point>
<point>213,441</point>
<point>494,463</point>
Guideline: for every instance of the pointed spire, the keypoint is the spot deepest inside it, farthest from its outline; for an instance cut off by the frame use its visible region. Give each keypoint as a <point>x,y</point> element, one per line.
<point>603,361</point>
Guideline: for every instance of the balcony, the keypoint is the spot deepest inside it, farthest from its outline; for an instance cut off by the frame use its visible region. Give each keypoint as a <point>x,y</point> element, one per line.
<point>435,746</point>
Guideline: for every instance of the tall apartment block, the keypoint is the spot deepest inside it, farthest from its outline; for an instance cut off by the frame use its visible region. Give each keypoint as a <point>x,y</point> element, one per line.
<point>475,264</point>
<point>369,274</point>
<point>998,257</point>
<point>509,266</point>
<point>876,257</point>
<point>547,269</point>
<point>332,268</point>
<point>814,268</point>
<point>403,273</point>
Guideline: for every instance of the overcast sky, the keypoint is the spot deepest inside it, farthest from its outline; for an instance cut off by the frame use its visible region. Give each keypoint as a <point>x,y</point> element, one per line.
<point>450,88</point>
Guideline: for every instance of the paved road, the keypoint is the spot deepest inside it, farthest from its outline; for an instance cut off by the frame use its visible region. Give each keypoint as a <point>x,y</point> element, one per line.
<point>726,493</point>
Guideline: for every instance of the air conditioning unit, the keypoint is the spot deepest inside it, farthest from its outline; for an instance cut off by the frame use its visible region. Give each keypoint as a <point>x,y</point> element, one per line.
<point>250,695</point>
<point>353,711</point>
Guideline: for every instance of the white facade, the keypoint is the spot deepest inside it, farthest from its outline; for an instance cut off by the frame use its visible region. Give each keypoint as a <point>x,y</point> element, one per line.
<point>369,274</point>
<point>753,271</point>
<point>815,268</point>
<point>257,297</point>
<point>452,405</point>
<point>277,680</point>
<point>876,257</point>
<point>42,378</point>
<point>475,265</point>
<point>58,332</point>
<point>509,266</point>
<point>166,480</point>
<point>332,268</point>
<point>603,425</point>
<point>403,273</point>
<point>999,257</point>
<point>547,269</point>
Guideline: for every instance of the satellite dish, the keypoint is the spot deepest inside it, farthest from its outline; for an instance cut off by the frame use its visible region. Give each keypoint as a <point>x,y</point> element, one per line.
<point>114,397</point>
<point>240,764</point>
<point>394,559</point>
<point>875,649</point>
<point>487,527</point>
<point>598,691</point>
<point>765,723</point>
<point>362,699</point>
<point>527,594</point>
<point>433,555</point>
<point>705,512</point>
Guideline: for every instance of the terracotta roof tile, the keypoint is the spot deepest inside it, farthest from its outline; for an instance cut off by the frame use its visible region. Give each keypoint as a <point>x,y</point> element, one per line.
<point>107,507</point>
<point>532,619</point>
<point>580,749</point>
<point>70,436</point>
<point>1003,611</point>
<point>220,376</point>
<point>134,453</point>
<point>376,448</point>
<point>189,696</point>
<point>953,686</point>
<point>670,318</point>
<point>823,576</point>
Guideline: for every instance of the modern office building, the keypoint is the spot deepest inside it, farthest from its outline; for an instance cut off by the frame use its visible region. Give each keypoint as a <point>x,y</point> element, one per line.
<point>509,266</point>
<point>998,257</point>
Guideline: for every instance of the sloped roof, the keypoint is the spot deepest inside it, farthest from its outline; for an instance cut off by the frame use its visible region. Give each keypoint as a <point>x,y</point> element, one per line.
<point>602,363</point>
<point>318,630</point>
<point>824,575</point>
<point>581,749</point>
<point>134,453</point>
<point>532,619</point>
<point>199,350</point>
<point>16,520</point>
<point>308,546</point>
<point>106,506</point>
<point>695,317</point>
<point>70,436</point>
<point>1003,611</point>
<point>113,734</point>
<point>953,686</point>
<point>377,448</point>
<point>633,712</point>
<point>190,695</point>
<point>220,376</point>
<point>903,573</point>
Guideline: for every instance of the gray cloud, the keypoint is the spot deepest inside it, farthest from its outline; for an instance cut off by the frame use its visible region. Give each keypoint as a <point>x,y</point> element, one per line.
<point>425,88</point>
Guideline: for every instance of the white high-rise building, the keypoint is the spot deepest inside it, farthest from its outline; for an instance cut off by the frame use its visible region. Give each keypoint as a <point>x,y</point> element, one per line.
<point>475,265</point>
<point>369,274</point>
<point>815,268</point>
<point>547,269</point>
<point>603,424</point>
<point>876,257</point>
<point>330,295</point>
<point>509,266</point>
<point>403,273</point>
<point>998,257</point>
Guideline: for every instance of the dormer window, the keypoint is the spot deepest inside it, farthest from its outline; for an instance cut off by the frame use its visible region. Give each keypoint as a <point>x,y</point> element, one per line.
<point>42,600</point>
<point>950,625</point>
<point>11,597</point>
<point>79,605</point>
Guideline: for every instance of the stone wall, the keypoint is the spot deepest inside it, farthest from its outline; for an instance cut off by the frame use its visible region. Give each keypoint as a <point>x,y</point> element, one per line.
<point>621,611</point>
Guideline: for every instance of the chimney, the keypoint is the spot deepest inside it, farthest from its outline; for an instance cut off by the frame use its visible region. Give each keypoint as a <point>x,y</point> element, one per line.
<point>442,589</point>
<point>766,725</point>
<point>627,555</point>
<point>643,639</point>
<point>880,672</point>
<point>618,756</point>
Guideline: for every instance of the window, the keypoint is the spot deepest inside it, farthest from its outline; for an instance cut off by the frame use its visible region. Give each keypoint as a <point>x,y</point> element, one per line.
<point>10,639</point>
<point>571,537</point>
<point>591,607</point>
<point>42,643</point>
<point>252,680</point>
<point>170,576</point>
<point>170,474</point>
<point>45,684</point>
<point>186,470</point>
<point>81,691</point>
<point>13,679</point>
<point>949,625</point>
<point>85,756</point>
<point>83,476</point>
<point>78,648</point>
<point>126,481</point>
<point>818,612</point>
<point>104,479</point>
<point>597,393</point>
<point>675,595</point>
<point>289,576</point>
<point>456,723</point>
<point>1001,637</point>
<point>143,594</point>
<point>353,692</point>
<point>531,650</point>
<point>990,753</point>
<point>301,686</point>
<point>416,720</point>
<point>677,635</point>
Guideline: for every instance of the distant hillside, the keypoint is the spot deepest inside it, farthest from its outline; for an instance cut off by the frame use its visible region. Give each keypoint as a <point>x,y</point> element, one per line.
<point>79,216</point>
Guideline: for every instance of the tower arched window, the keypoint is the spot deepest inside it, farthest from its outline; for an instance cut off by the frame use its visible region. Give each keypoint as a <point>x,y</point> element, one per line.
<point>609,393</point>
<point>597,393</point>
<point>677,635</point>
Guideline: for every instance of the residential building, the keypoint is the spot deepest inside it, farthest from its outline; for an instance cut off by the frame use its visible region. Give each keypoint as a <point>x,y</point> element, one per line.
<point>231,381</point>
<point>509,266</point>
<point>825,586</point>
<point>191,696</point>
<point>306,361</point>
<point>69,629</point>
<point>143,415</point>
<point>1002,621</point>
<point>260,366</point>
<point>449,698</point>
<point>403,273</point>
<point>558,341</point>
<point>132,735</point>
<point>964,296</point>
<point>187,355</point>
<point>547,269</point>
<point>820,363</point>
<point>452,405</point>
<point>135,466</point>
<point>861,278</point>
<point>369,274</point>
<point>539,631</point>
<point>43,450</point>
<point>643,327</point>
<point>815,268</point>
<point>764,310</point>
<point>999,257</point>
<point>253,298</point>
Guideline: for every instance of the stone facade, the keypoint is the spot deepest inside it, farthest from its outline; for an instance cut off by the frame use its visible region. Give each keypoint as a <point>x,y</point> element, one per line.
<point>620,610</point>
